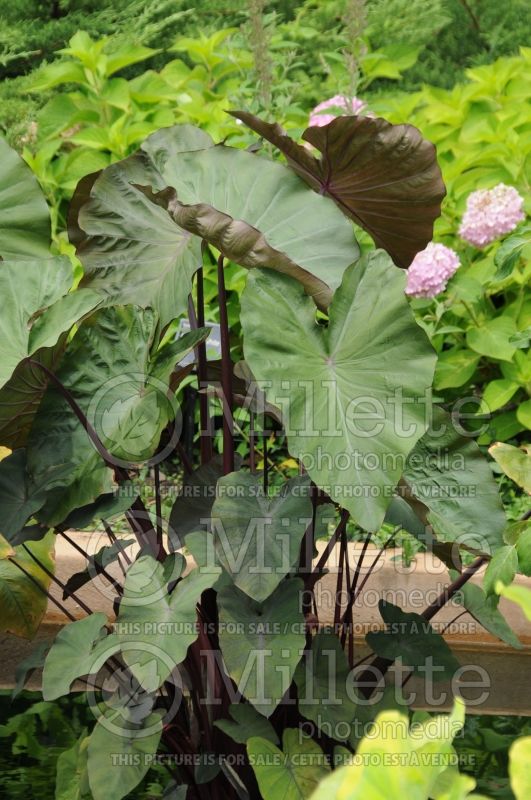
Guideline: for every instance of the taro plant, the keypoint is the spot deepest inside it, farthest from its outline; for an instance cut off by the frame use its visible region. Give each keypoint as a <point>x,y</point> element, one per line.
<point>209,652</point>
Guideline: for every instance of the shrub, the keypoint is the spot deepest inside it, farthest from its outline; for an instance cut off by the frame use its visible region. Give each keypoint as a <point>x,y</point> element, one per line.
<point>481,324</point>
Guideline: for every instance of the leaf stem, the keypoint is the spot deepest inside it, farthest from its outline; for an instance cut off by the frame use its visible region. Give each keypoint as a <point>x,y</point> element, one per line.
<point>378,667</point>
<point>144,529</point>
<point>198,321</point>
<point>60,583</point>
<point>226,374</point>
<point>100,569</point>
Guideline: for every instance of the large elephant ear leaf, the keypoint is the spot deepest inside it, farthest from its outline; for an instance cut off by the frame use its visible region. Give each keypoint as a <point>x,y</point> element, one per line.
<point>385,177</point>
<point>25,230</point>
<point>130,248</point>
<point>449,475</point>
<point>339,411</point>
<point>140,231</point>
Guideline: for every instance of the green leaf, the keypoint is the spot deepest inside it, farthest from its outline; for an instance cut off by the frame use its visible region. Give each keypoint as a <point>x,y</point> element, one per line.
<point>397,760</point>
<point>155,628</point>
<point>131,251</point>
<point>385,177</point>
<point>497,393</point>
<point>20,397</point>
<point>449,474</point>
<point>71,781</point>
<point>56,74</point>
<point>292,773</point>
<point>262,643</point>
<point>80,648</point>
<point>523,549</point>
<point>523,414</point>
<point>23,604</point>
<point>126,55</point>
<point>193,505</point>
<point>324,688</point>
<point>105,507</point>
<point>520,595</point>
<point>484,611</point>
<point>117,762</point>
<point>454,368</point>
<point>246,722</point>
<point>120,380</point>
<point>502,567</point>
<point>258,539</point>
<point>17,499</point>
<point>26,667</point>
<point>411,638</point>
<point>25,230</point>
<point>34,311</point>
<point>339,408</point>
<point>281,225</point>
<point>492,338</point>
<point>519,774</point>
<point>509,252</point>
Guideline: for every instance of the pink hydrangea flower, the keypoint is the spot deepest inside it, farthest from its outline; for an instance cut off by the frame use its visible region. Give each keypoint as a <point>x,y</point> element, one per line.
<point>339,105</point>
<point>430,270</point>
<point>490,213</point>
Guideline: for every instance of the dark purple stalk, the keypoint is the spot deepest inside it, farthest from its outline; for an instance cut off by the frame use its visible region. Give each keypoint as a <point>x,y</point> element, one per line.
<point>252,443</point>
<point>226,374</point>
<point>98,567</point>
<point>339,580</point>
<point>325,555</point>
<point>158,505</point>
<point>198,321</point>
<point>113,539</point>
<point>59,583</point>
<point>144,529</point>
<point>266,466</point>
<point>370,679</point>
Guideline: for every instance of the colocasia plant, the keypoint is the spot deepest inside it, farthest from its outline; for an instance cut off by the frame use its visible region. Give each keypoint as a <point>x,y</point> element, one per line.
<point>215,657</point>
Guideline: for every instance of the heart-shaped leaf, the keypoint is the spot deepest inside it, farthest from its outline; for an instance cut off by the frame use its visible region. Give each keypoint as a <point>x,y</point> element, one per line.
<point>385,177</point>
<point>292,773</point>
<point>246,722</point>
<point>262,643</point>
<point>119,759</point>
<point>18,500</point>
<point>257,539</point>
<point>411,638</point>
<point>80,648</point>
<point>131,251</point>
<point>155,628</point>
<point>353,405</point>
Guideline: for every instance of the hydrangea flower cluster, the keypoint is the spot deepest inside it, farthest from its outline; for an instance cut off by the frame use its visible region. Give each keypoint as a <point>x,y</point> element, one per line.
<point>430,270</point>
<point>490,213</point>
<point>339,104</point>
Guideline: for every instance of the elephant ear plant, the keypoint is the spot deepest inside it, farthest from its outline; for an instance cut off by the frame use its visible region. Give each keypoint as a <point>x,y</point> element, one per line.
<point>214,662</point>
